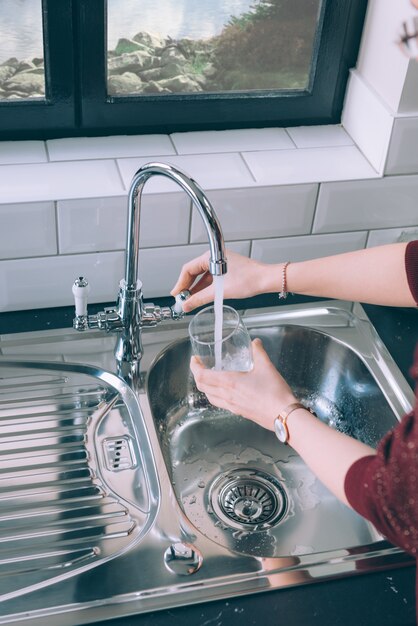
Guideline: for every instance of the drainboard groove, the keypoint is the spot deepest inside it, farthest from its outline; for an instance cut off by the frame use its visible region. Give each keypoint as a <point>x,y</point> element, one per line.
<point>32,471</point>
<point>31,442</point>
<point>62,509</point>
<point>19,416</point>
<point>30,380</point>
<point>33,401</point>
<point>35,433</point>
<point>79,534</point>
<point>55,560</point>
<point>24,498</point>
<point>62,517</point>
<point>68,476</point>
<point>58,459</point>
<point>49,493</point>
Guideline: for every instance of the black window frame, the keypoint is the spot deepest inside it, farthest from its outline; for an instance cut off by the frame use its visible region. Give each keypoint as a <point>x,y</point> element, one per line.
<point>77,102</point>
<point>56,113</point>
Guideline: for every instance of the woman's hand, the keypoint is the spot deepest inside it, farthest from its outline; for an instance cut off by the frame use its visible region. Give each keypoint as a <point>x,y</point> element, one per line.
<point>244,278</point>
<point>258,395</point>
<point>261,395</point>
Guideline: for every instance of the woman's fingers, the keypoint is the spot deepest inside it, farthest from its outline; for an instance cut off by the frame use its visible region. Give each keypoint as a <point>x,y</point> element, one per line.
<point>202,293</point>
<point>189,272</point>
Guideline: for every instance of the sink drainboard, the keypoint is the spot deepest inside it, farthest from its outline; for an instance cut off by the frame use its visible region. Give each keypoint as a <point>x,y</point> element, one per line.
<point>58,511</point>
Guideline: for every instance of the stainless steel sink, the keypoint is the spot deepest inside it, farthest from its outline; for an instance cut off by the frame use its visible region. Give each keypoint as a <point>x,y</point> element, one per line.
<point>117,501</point>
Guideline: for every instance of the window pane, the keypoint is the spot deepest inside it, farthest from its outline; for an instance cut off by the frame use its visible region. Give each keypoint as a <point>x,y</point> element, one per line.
<point>203,46</point>
<point>22,73</point>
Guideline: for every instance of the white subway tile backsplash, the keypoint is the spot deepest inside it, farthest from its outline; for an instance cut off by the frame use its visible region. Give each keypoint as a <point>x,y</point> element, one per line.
<point>391,235</point>
<point>39,283</point>
<point>319,136</point>
<point>22,152</point>
<point>27,230</point>
<point>368,121</point>
<point>380,203</point>
<point>266,186</point>
<point>115,147</point>
<point>403,149</point>
<point>91,225</point>
<point>210,171</point>
<point>59,181</point>
<point>204,142</point>
<point>159,268</point>
<point>99,224</point>
<point>260,212</point>
<point>305,248</point>
<point>312,165</point>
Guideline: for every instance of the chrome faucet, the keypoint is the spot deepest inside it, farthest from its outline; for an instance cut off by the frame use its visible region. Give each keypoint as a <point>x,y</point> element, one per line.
<point>131,314</point>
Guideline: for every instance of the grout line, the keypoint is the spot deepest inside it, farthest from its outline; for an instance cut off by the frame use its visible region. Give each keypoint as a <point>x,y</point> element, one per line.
<point>315,208</point>
<point>251,249</point>
<point>366,243</point>
<point>240,154</point>
<point>56,227</point>
<point>119,171</point>
<point>48,156</point>
<point>291,138</point>
<point>174,146</point>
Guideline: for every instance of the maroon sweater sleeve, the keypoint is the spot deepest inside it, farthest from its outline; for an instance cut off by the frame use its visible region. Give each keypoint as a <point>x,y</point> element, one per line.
<point>411,266</point>
<point>384,487</point>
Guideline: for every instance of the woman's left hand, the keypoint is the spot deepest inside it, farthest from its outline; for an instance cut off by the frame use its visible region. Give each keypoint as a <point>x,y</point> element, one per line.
<point>258,395</point>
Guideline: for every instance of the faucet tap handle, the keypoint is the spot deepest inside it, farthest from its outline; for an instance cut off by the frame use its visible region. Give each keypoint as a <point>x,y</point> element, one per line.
<point>81,290</point>
<point>177,308</point>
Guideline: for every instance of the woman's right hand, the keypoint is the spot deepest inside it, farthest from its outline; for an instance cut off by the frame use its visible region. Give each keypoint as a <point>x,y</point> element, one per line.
<point>245,278</point>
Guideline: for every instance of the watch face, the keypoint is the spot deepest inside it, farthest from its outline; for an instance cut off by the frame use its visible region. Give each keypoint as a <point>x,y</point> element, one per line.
<point>281,430</point>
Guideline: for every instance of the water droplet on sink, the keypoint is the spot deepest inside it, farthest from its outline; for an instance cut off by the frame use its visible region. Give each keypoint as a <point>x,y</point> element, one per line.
<point>201,484</point>
<point>192,500</point>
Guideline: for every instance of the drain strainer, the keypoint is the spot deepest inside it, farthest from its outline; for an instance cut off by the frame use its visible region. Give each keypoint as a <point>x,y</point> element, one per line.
<point>248,499</point>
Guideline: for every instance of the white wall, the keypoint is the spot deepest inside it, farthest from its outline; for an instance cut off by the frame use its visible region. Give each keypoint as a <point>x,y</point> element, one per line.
<point>280,193</point>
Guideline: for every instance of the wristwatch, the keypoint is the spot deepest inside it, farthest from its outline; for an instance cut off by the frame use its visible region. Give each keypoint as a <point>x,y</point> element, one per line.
<point>280,423</point>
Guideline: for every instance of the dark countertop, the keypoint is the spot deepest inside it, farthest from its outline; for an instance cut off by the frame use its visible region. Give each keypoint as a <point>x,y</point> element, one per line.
<point>384,598</point>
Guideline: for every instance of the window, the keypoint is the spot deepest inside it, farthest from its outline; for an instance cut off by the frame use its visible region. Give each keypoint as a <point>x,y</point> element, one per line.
<point>36,68</point>
<point>90,67</point>
<point>22,73</point>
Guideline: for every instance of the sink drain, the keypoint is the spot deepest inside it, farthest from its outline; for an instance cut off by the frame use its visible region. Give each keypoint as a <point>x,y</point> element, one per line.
<point>248,499</point>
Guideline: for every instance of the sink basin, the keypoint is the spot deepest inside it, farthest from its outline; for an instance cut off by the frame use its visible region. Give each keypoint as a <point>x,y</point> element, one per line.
<point>120,499</point>
<point>233,479</point>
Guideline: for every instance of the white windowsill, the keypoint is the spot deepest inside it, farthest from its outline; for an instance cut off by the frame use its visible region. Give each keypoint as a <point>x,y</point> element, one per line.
<point>74,168</point>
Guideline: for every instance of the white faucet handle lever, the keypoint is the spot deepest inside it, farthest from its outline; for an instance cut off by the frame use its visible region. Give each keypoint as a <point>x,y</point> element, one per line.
<point>81,290</point>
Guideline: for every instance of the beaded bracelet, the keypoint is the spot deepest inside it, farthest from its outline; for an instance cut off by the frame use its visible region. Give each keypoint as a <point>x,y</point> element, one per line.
<point>284,293</point>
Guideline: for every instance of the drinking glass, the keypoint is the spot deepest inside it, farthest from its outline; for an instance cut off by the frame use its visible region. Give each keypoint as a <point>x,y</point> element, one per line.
<point>232,350</point>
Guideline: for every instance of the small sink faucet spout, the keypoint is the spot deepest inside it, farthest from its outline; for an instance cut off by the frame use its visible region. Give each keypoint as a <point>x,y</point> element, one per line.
<point>131,314</point>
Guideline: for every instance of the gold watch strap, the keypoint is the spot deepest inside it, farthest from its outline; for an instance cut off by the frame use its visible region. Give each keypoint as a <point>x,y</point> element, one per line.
<point>283,415</point>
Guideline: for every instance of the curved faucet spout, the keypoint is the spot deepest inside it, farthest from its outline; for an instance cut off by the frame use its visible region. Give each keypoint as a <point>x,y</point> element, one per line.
<point>131,314</point>
<point>217,262</point>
